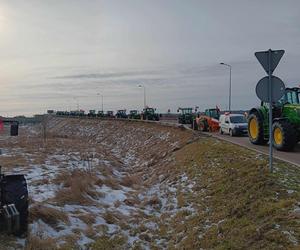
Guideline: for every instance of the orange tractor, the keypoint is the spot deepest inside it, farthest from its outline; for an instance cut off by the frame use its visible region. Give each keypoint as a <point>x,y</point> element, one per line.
<point>208,121</point>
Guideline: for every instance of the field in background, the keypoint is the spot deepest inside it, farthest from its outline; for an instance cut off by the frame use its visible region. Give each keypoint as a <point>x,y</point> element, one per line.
<point>120,184</point>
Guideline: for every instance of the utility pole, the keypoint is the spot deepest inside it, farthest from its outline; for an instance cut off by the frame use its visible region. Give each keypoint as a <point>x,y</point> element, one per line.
<point>101,101</point>
<point>143,86</point>
<point>229,102</point>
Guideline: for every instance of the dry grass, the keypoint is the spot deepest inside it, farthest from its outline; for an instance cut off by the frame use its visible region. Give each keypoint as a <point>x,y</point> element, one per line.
<point>131,180</point>
<point>106,171</point>
<point>78,187</point>
<point>132,201</point>
<point>10,162</point>
<point>88,219</point>
<point>107,243</point>
<point>241,201</point>
<point>43,181</point>
<point>110,217</point>
<point>90,232</point>
<point>49,215</point>
<point>154,202</point>
<point>237,203</point>
<point>112,183</point>
<point>38,242</point>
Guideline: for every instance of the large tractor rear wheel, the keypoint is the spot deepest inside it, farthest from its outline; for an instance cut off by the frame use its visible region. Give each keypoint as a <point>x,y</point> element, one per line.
<point>284,136</point>
<point>256,129</point>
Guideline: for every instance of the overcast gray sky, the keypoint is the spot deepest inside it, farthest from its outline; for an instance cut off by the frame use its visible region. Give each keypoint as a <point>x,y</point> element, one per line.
<point>54,52</point>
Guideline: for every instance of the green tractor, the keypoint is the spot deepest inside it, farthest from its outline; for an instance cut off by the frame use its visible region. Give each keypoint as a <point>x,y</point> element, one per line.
<point>149,114</point>
<point>186,116</point>
<point>286,122</point>
<point>134,114</point>
<point>121,114</point>
<point>109,114</point>
<point>92,113</point>
<point>100,113</point>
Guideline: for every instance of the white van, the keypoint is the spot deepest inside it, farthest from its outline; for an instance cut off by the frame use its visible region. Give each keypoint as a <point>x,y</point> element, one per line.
<point>233,124</point>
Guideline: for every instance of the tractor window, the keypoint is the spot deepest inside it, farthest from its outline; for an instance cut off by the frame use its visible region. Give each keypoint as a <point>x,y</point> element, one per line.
<point>295,97</point>
<point>238,119</point>
<point>150,111</point>
<point>292,97</point>
<point>214,114</point>
<point>186,111</point>
<point>289,97</point>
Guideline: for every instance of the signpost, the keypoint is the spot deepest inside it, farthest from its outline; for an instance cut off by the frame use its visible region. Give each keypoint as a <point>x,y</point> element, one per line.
<point>270,89</point>
<point>262,88</point>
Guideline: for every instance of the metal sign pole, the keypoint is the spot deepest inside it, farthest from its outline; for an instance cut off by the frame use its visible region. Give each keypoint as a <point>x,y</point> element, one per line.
<point>270,115</point>
<point>270,88</point>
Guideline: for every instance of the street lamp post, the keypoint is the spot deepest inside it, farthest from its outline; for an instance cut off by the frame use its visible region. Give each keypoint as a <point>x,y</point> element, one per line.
<point>101,100</point>
<point>143,86</point>
<point>225,64</point>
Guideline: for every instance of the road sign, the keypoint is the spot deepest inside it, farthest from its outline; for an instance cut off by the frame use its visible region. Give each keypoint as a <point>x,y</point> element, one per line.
<point>262,89</point>
<point>263,58</point>
<point>270,88</point>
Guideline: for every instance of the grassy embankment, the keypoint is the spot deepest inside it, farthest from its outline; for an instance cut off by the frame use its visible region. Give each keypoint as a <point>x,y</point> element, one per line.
<point>237,203</point>
<point>240,204</point>
<point>201,193</point>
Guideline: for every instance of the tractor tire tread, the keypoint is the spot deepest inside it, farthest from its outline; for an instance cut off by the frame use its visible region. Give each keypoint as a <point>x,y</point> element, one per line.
<point>289,135</point>
<point>260,140</point>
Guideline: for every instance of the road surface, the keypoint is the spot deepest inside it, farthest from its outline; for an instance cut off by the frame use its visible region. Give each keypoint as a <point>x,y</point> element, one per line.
<point>290,157</point>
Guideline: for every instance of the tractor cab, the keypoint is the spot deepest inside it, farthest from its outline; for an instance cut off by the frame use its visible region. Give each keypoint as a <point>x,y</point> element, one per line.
<point>186,116</point>
<point>291,96</point>
<point>149,110</point>
<point>134,114</point>
<point>121,113</point>
<point>213,113</point>
<point>110,114</point>
<point>186,111</point>
<point>288,104</point>
<point>92,113</point>
<point>149,114</point>
<point>100,113</point>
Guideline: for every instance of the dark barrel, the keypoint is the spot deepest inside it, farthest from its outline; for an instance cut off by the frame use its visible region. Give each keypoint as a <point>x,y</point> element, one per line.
<point>14,129</point>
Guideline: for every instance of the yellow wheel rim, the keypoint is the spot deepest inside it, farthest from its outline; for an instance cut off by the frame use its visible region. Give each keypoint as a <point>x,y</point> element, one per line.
<point>253,128</point>
<point>278,137</point>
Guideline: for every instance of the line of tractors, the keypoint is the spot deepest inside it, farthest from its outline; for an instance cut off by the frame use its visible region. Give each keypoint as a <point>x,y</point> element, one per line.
<point>285,132</point>
<point>146,114</point>
<point>285,127</point>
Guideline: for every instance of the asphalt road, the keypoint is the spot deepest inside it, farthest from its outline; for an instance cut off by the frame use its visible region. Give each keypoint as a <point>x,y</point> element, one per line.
<point>291,157</point>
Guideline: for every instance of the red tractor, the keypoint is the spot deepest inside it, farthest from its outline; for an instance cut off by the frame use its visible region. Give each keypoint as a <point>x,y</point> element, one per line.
<point>208,121</point>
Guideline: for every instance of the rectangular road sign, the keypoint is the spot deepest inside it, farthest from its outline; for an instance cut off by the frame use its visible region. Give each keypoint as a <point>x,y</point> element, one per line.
<point>263,58</point>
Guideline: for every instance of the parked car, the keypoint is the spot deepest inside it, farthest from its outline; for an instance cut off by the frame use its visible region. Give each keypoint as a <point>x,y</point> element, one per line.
<point>233,124</point>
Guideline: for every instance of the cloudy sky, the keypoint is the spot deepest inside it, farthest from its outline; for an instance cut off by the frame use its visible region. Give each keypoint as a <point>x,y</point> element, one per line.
<point>57,53</point>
